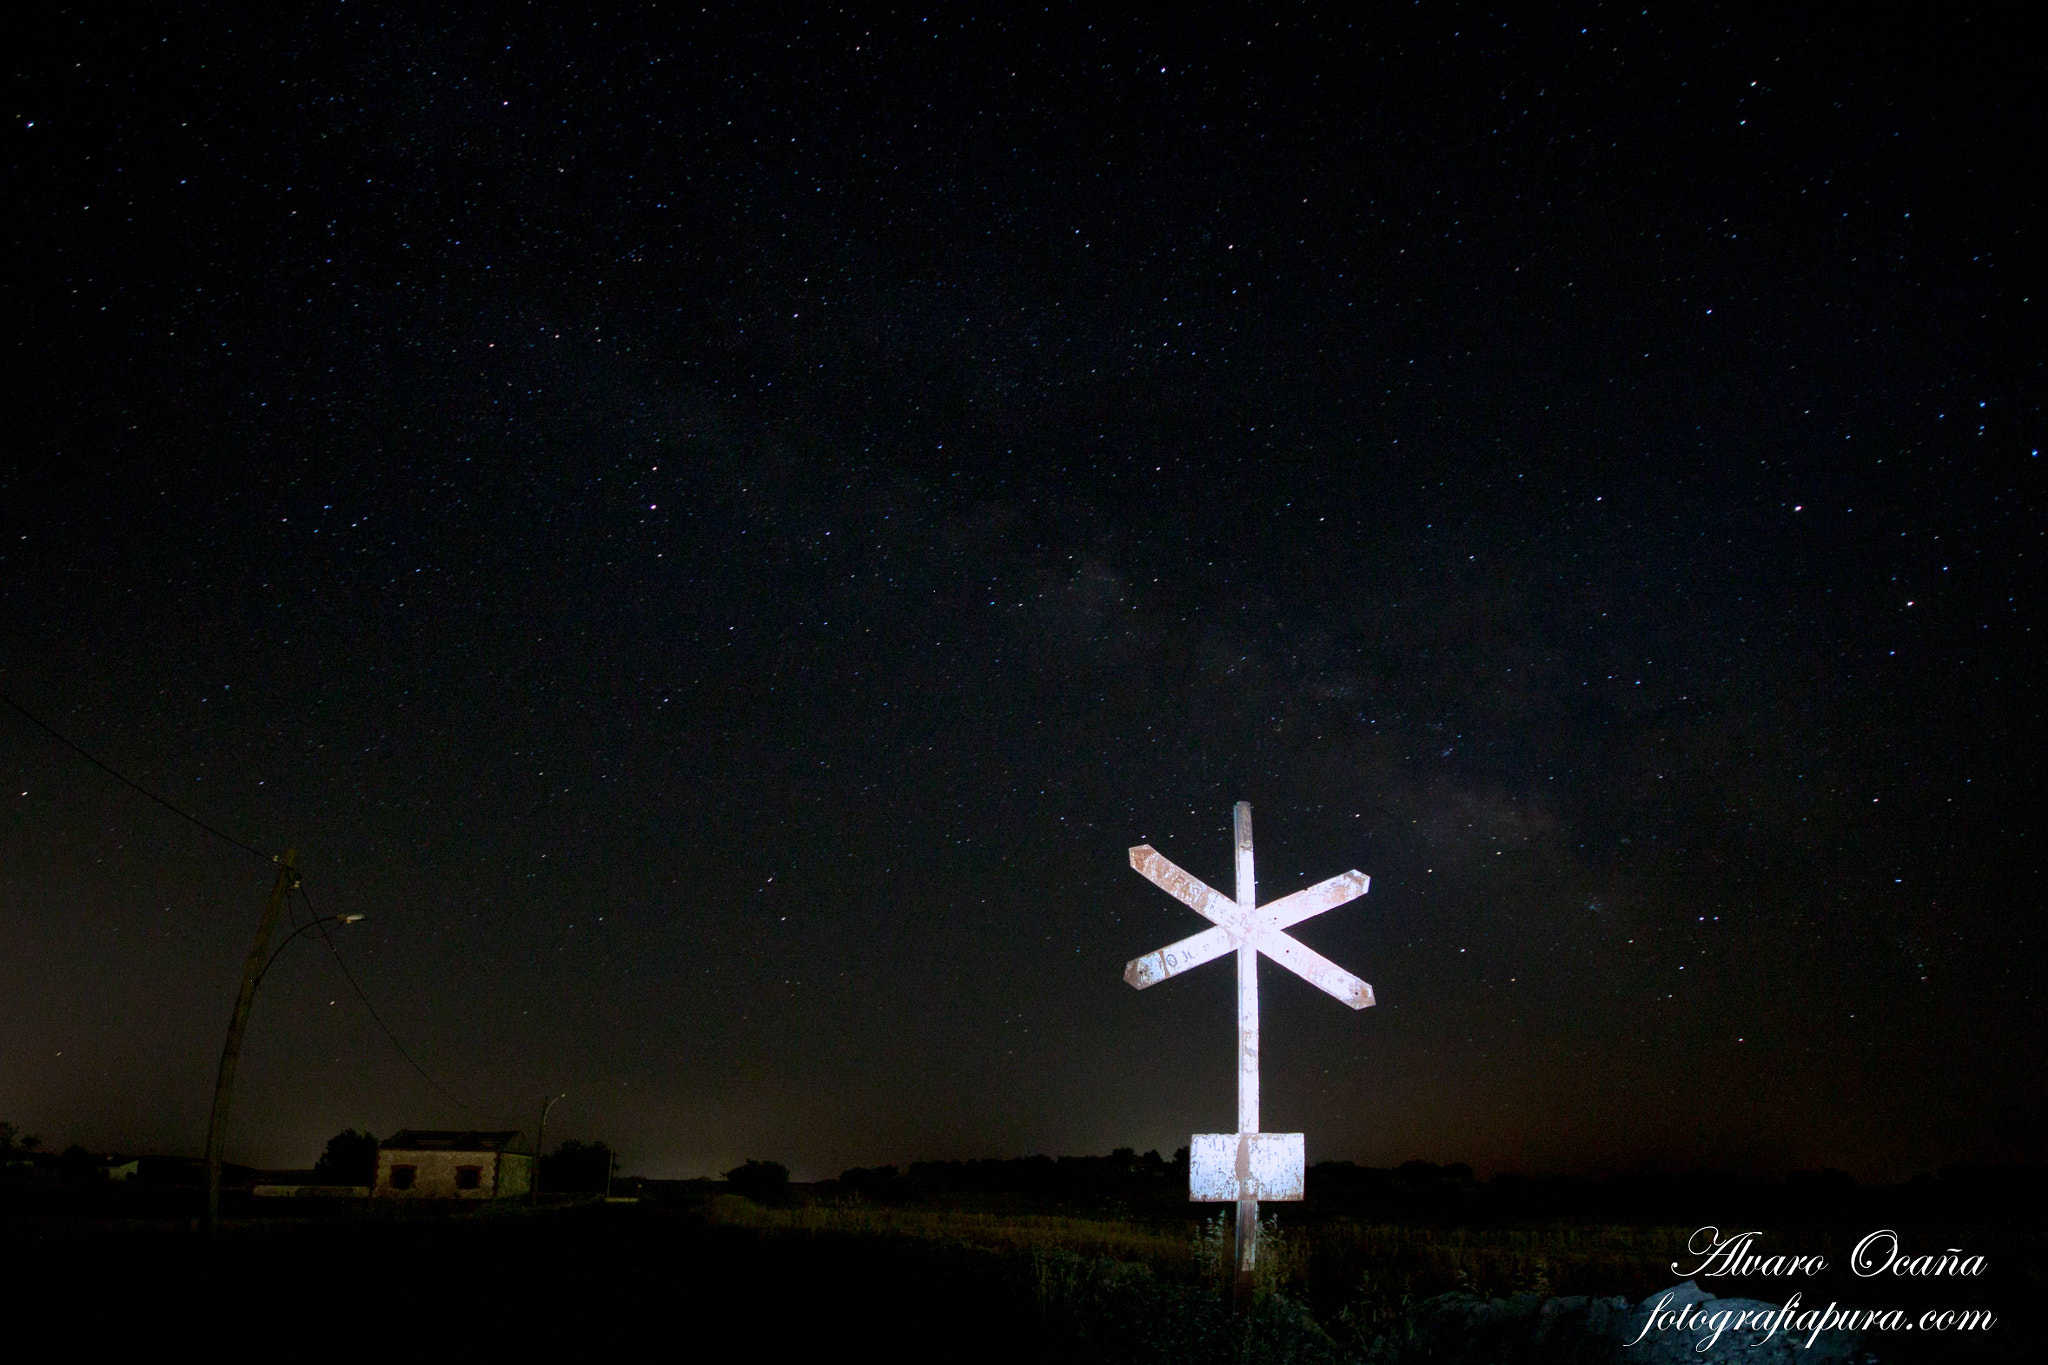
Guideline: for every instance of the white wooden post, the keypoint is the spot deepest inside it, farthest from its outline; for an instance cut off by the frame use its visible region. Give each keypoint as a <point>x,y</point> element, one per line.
<point>1247,1240</point>
<point>1248,1165</point>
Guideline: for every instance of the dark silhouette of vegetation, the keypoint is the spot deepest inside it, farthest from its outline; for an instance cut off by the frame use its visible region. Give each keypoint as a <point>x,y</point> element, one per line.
<point>1122,1179</point>
<point>1103,1257</point>
<point>576,1168</point>
<point>350,1159</point>
<point>79,1167</point>
<point>764,1182</point>
<point>18,1152</point>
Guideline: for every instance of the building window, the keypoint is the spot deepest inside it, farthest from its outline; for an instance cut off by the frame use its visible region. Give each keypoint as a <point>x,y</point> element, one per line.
<point>402,1177</point>
<point>469,1177</point>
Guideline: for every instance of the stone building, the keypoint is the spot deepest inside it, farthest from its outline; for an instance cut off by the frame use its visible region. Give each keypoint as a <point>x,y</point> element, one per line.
<point>419,1163</point>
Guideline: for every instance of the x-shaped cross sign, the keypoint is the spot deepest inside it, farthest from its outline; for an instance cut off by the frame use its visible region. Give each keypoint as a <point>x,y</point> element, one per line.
<point>1260,929</point>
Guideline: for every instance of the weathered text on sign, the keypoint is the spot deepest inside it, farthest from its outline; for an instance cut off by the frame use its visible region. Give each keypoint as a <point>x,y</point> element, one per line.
<point>1260,930</point>
<point>1226,1167</point>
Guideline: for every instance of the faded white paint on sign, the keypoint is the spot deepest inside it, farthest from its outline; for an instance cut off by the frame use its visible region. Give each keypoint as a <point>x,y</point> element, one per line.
<point>1260,929</point>
<point>1226,1167</point>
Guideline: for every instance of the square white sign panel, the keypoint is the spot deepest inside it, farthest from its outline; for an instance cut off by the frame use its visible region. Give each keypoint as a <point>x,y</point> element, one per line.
<point>1227,1167</point>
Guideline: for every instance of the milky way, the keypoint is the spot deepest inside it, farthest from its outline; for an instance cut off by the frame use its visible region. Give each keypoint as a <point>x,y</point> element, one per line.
<point>716,534</point>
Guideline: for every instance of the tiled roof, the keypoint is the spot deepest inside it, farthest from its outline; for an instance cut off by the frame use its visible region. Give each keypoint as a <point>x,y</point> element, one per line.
<point>448,1140</point>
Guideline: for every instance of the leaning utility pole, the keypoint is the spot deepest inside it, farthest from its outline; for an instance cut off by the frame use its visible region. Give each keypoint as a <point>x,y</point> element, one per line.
<point>231,1054</point>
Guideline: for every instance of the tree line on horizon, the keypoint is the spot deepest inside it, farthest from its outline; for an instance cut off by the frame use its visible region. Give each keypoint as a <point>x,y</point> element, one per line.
<point>1130,1179</point>
<point>349,1158</point>
<point>1431,1191</point>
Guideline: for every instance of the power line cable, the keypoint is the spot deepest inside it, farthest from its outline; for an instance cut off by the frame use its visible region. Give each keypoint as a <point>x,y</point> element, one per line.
<point>332,946</point>
<point>126,781</point>
<point>425,1075</point>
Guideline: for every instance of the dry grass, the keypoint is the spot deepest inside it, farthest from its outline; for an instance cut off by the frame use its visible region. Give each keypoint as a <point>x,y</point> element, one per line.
<point>1371,1273</point>
<point>1162,1249</point>
<point>1331,1263</point>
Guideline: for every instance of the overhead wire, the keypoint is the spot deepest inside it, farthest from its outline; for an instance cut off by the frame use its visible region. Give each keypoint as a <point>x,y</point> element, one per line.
<point>107,768</point>
<point>297,886</point>
<point>361,995</point>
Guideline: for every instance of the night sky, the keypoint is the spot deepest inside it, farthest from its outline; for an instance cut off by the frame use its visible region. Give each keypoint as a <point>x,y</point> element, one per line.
<point>716,531</point>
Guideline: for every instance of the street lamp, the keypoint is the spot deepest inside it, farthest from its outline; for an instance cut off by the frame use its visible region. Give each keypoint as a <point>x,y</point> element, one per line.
<point>540,1141</point>
<point>324,919</point>
<point>258,963</point>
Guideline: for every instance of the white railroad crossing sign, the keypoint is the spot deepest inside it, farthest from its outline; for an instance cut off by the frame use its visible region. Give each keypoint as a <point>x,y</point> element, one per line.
<point>1248,1165</point>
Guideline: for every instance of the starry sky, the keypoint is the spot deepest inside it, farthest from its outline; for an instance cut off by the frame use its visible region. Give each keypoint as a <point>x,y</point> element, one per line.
<point>716,529</point>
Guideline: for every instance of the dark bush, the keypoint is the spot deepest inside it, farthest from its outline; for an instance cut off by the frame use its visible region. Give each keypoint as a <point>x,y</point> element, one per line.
<point>764,1182</point>
<point>576,1168</point>
<point>350,1159</point>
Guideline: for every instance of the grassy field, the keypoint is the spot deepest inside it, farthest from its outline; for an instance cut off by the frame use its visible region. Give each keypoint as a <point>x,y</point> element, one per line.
<point>1343,1289</point>
<point>1298,1256</point>
<point>814,1274</point>
<point>1366,1272</point>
